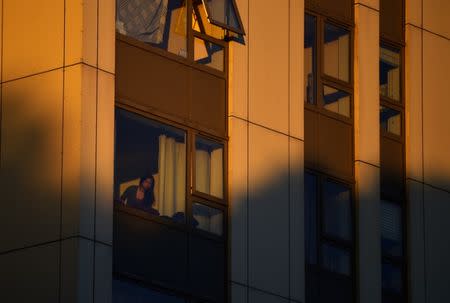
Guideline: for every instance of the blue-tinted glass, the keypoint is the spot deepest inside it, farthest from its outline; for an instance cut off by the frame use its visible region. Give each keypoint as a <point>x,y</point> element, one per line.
<point>128,292</point>
<point>209,167</point>
<point>224,12</point>
<point>390,72</point>
<point>161,23</point>
<point>337,52</point>
<point>337,214</point>
<point>310,59</point>
<point>150,166</point>
<point>392,278</point>
<point>391,229</point>
<point>336,260</point>
<point>336,100</point>
<point>390,120</point>
<point>311,218</point>
<point>207,218</point>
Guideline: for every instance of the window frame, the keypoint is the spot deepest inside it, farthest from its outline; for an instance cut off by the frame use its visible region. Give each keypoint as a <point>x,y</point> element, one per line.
<point>321,78</point>
<point>240,31</point>
<point>323,238</point>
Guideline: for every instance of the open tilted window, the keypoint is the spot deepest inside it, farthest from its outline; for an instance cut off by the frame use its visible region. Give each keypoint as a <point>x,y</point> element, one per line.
<point>224,13</point>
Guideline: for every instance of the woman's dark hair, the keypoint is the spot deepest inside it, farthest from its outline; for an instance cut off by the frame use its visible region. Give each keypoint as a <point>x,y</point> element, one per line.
<point>151,191</point>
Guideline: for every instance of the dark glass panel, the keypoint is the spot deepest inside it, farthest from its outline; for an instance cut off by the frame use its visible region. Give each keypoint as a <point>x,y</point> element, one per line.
<point>311,218</point>
<point>337,52</point>
<point>336,101</point>
<point>209,167</point>
<point>224,13</point>
<point>337,214</point>
<point>390,73</point>
<point>392,278</point>
<point>208,218</point>
<point>390,120</point>
<point>391,229</point>
<point>161,23</point>
<point>150,166</point>
<point>310,59</point>
<point>336,260</point>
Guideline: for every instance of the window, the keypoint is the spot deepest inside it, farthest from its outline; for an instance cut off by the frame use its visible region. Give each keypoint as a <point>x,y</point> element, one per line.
<point>327,68</point>
<point>224,13</point>
<point>125,291</point>
<point>329,239</point>
<point>209,167</point>
<point>392,173</point>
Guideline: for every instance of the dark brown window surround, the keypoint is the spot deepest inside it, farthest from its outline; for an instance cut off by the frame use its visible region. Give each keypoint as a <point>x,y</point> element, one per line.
<point>314,112</point>
<point>192,126</point>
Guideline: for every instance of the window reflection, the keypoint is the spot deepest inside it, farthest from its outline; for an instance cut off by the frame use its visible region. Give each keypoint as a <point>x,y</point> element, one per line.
<point>335,259</point>
<point>161,23</point>
<point>125,292</point>
<point>391,229</point>
<point>209,167</point>
<point>150,166</point>
<point>390,73</point>
<point>224,13</point>
<point>390,120</point>
<point>336,101</point>
<point>311,218</point>
<point>208,53</point>
<point>310,59</point>
<point>337,52</point>
<point>337,210</point>
<point>207,218</point>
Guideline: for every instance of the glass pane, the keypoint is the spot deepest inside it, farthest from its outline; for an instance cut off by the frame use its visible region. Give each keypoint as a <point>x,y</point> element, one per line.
<point>208,53</point>
<point>392,278</point>
<point>150,166</point>
<point>207,218</point>
<point>390,73</point>
<point>161,23</point>
<point>335,259</point>
<point>337,52</point>
<point>201,24</point>
<point>209,167</point>
<point>391,229</point>
<point>391,120</point>
<point>125,292</point>
<point>337,214</point>
<point>310,59</point>
<point>336,101</point>
<point>224,13</point>
<point>311,218</point>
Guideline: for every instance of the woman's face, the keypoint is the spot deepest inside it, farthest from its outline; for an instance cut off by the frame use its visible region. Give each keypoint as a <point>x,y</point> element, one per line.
<point>147,183</point>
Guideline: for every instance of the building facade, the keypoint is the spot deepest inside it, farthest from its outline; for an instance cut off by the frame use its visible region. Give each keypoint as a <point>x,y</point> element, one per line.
<point>224,151</point>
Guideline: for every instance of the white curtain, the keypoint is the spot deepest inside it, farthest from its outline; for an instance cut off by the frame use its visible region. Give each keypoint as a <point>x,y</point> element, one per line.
<point>171,179</point>
<point>209,172</point>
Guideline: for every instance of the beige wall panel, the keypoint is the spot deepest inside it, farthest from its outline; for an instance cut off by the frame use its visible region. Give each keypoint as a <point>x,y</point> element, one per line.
<point>296,220</point>
<point>77,271</point>
<point>268,62</point>
<point>437,209</point>
<point>30,175</point>
<point>368,229</point>
<point>296,62</point>
<point>105,158</point>
<point>238,185</point>
<point>238,70</point>
<point>415,240</point>
<point>81,32</point>
<point>78,191</point>
<point>107,35</point>
<point>34,31</point>
<point>436,106</point>
<point>435,16</point>
<point>268,210</point>
<point>413,104</point>
<point>103,273</point>
<point>374,4</point>
<point>367,93</point>
<point>30,275</point>
<point>413,12</point>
